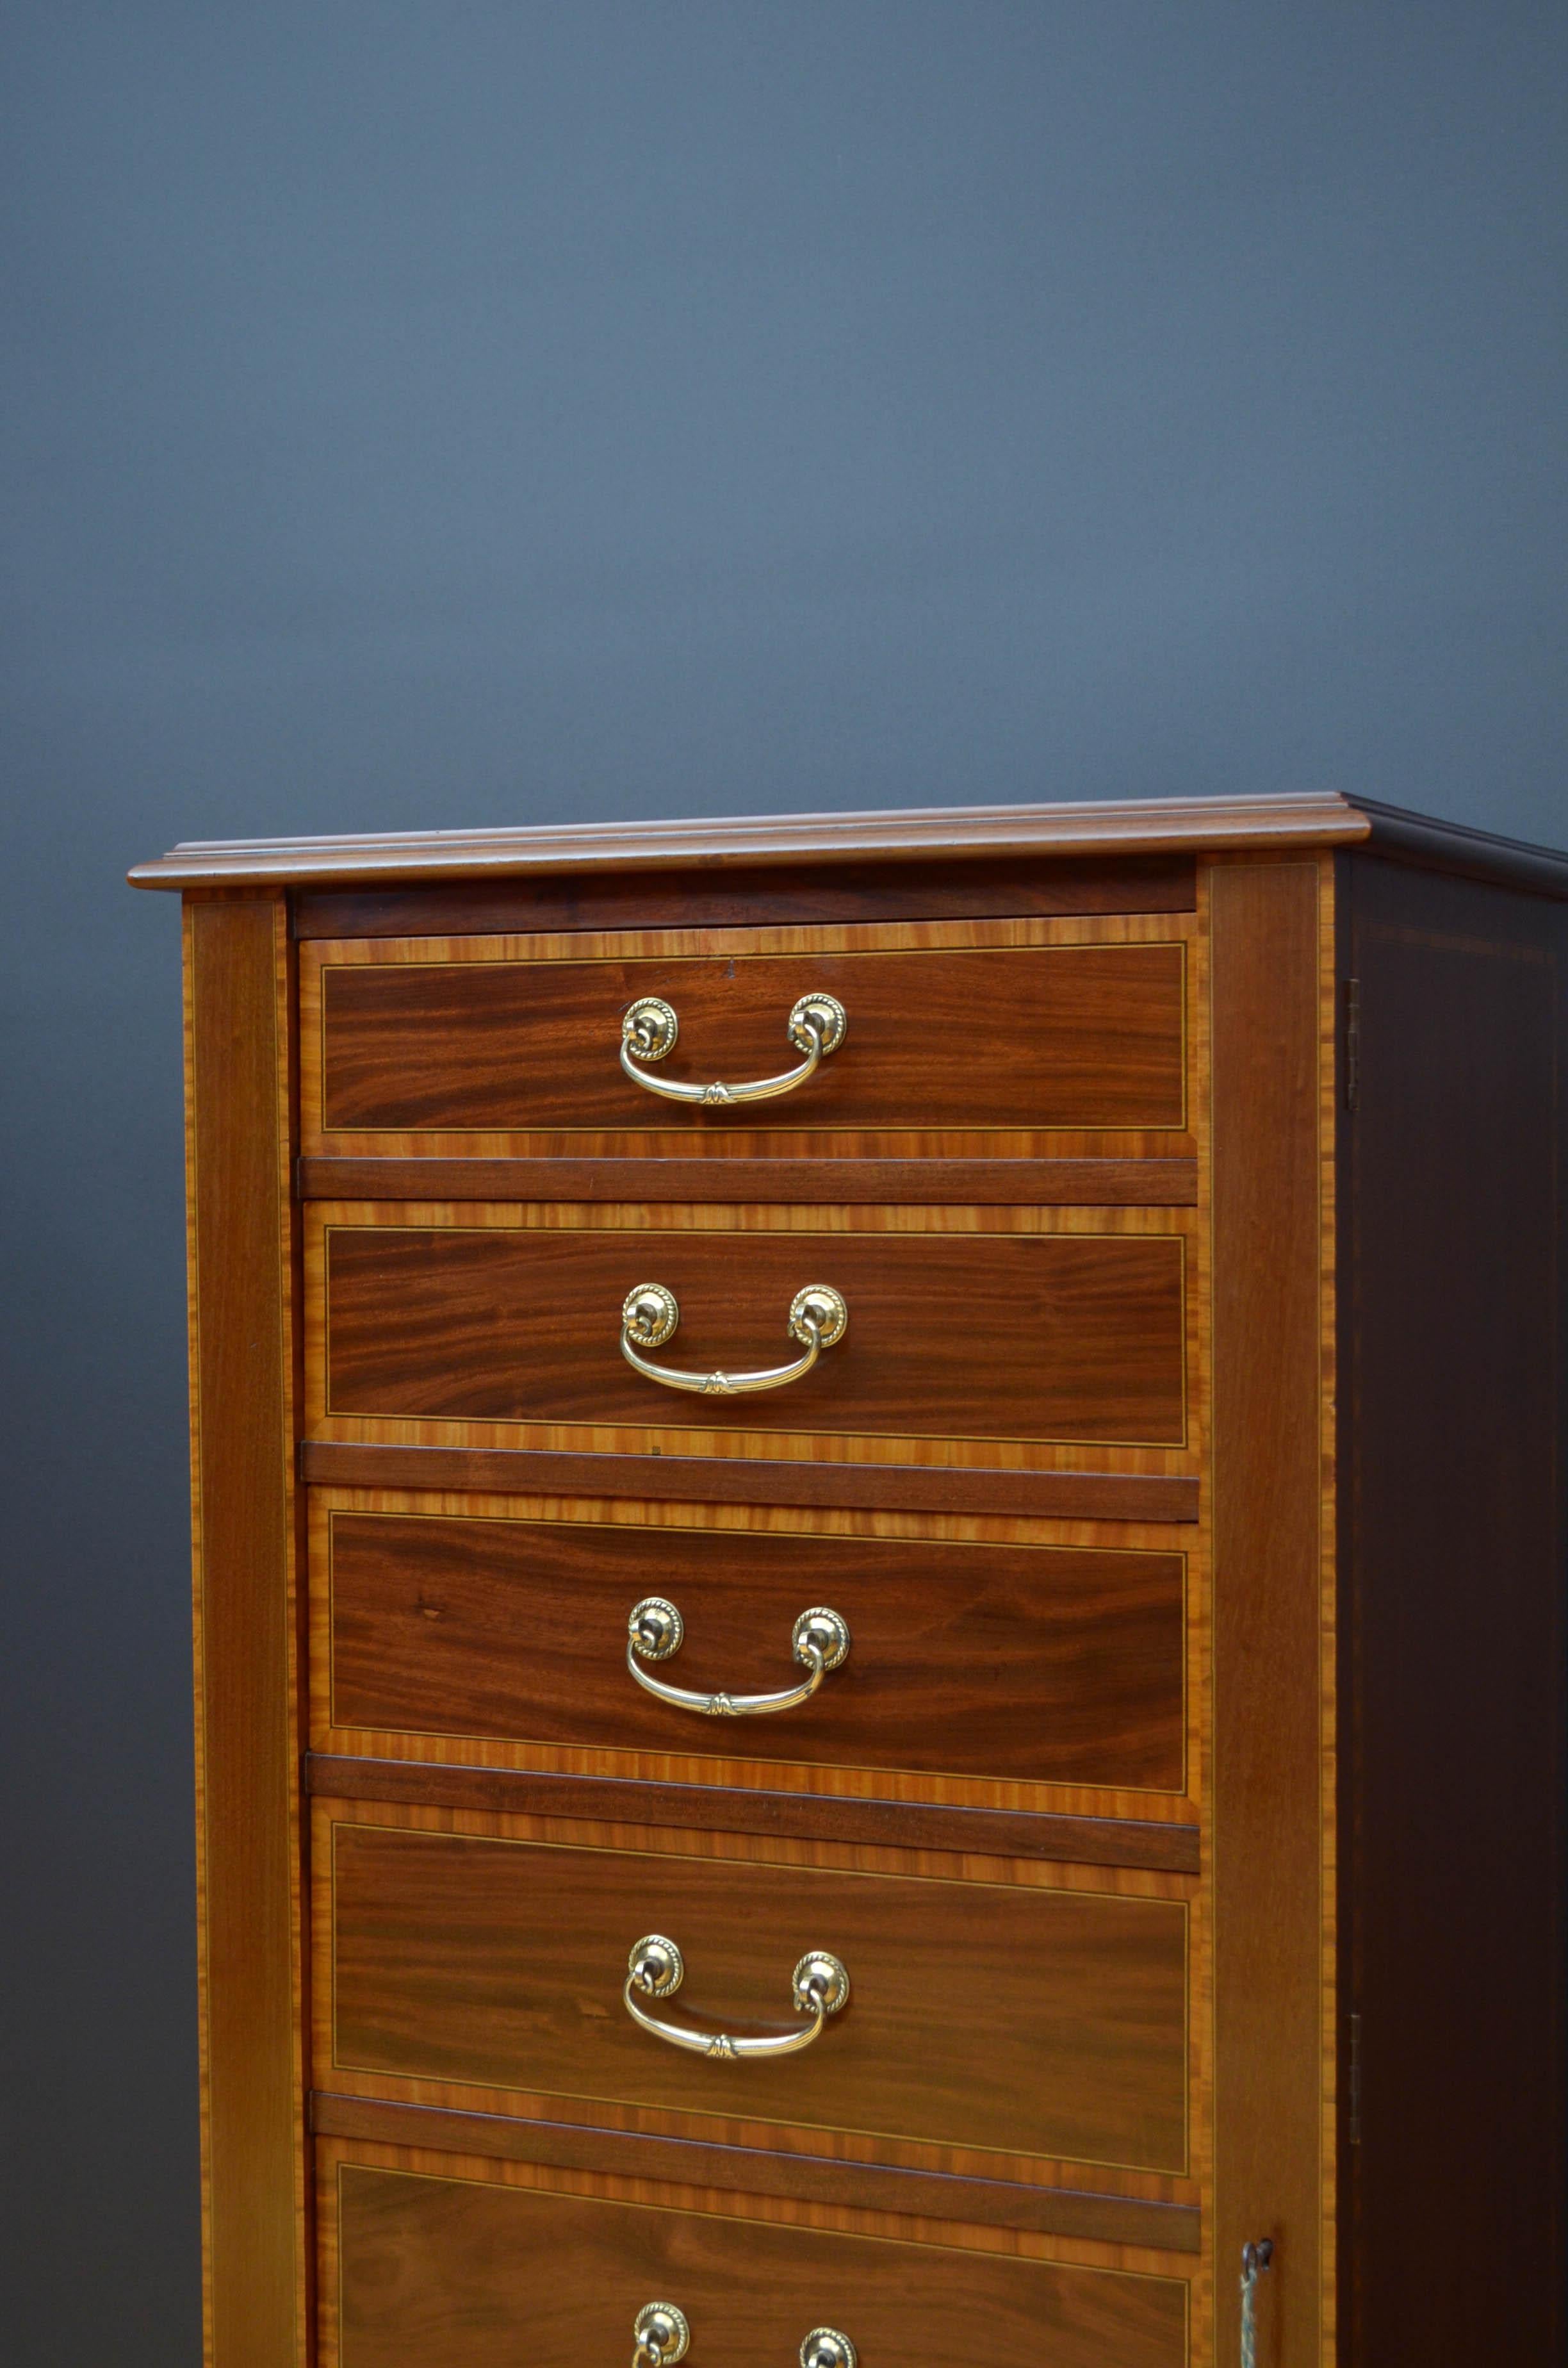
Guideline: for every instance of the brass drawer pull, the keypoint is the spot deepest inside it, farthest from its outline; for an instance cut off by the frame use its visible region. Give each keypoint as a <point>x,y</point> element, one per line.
<point>819,1641</point>
<point>656,1969</point>
<point>649,1028</point>
<point>663,2336</point>
<point>650,1314</point>
<point>825,2348</point>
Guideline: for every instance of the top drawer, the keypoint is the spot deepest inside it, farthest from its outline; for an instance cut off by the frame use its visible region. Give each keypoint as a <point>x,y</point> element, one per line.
<point>1009,1029</point>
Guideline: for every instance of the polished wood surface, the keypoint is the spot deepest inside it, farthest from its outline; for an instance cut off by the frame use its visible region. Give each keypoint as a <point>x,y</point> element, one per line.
<point>732,1808</point>
<point>1140,1971</point>
<point>1425,844</point>
<point>1046,1337</point>
<point>1050,2022</point>
<point>721,1756</point>
<point>1082,1036</point>
<point>803,892</point>
<point>816,2181</point>
<point>819,846</point>
<point>1065,1495</point>
<point>1270,1443</point>
<point>1104,1183</point>
<point>952,1869</point>
<point>422,2268</point>
<point>1455,1545</point>
<point>242,1304</point>
<point>729,1756</point>
<point>1051,1667</point>
<point>792,1129</point>
<point>1122,826</point>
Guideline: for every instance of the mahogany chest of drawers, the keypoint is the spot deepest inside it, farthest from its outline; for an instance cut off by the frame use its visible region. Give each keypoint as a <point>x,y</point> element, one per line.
<point>880,1520</point>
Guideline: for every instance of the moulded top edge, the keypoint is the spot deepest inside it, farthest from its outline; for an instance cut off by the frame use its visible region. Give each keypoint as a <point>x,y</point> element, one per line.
<point>1144,826</point>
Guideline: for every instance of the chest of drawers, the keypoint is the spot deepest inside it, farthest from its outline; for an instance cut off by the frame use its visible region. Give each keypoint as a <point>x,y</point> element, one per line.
<point>880,1525</point>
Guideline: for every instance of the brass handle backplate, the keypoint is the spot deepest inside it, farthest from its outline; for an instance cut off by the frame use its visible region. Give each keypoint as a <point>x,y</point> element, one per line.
<point>663,2336</point>
<point>655,1969</point>
<point>649,1029</point>
<point>650,1314</point>
<point>825,2348</point>
<point>819,1641</point>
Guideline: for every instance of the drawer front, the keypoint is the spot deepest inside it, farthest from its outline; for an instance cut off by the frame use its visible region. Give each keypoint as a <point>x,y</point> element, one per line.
<point>1036,1664</point>
<point>422,2270</point>
<point>1028,2020</point>
<point>1027,1336</point>
<point>1080,1036</point>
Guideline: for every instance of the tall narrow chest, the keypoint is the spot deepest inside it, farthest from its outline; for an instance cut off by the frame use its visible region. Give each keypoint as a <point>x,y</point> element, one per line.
<point>881,1514</point>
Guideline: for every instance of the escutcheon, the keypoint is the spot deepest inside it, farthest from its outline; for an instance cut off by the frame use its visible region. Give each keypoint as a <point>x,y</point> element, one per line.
<point>662,2335</point>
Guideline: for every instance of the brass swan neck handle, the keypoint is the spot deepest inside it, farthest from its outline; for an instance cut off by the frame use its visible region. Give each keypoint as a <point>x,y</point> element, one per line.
<point>650,1026</point>
<point>663,2334</point>
<point>655,1969</point>
<point>656,1631</point>
<point>651,1313</point>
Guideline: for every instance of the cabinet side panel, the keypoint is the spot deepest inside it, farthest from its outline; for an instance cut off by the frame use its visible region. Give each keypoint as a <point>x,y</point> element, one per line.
<point>1454,1544</point>
<point>1270,1736</point>
<point>253,2139</point>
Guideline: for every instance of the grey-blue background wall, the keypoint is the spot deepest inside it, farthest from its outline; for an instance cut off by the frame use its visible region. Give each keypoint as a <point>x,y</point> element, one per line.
<point>473,412</point>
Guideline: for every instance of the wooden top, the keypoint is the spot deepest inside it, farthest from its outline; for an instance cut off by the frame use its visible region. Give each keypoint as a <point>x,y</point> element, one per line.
<point>1125,826</point>
<point>1112,827</point>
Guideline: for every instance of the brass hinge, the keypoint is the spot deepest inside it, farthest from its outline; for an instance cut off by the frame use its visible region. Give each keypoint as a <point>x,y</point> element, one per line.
<point>1352,1043</point>
<point>1353,2085</point>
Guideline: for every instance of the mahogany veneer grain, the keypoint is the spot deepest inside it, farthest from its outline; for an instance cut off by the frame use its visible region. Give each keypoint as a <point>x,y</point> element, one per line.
<point>752,2170</point>
<point>1044,2023</point>
<point>1038,1664</point>
<point>725,1480</point>
<point>243,1290</point>
<point>1042,1037</point>
<point>428,2270</point>
<point>731,1808</point>
<point>780,895</point>
<point>1273,1630</point>
<point>834,1182</point>
<point>1058,1336</point>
